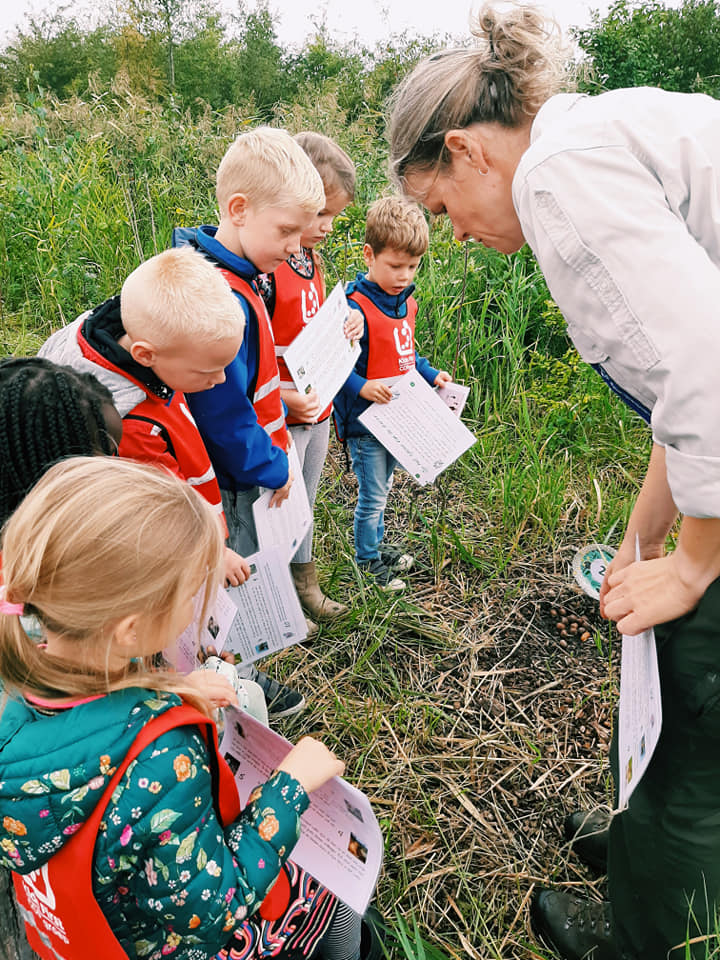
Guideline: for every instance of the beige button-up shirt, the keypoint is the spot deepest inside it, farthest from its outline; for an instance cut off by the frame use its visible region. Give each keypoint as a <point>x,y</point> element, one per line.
<point>618,196</point>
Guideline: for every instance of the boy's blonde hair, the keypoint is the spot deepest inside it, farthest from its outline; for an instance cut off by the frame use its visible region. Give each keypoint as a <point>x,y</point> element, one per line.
<point>179,295</point>
<point>96,540</point>
<point>332,163</point>
<point>271,170</point>
<point>397,223</point>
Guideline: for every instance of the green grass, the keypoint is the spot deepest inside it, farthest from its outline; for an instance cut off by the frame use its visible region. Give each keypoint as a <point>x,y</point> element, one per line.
<point>428,696</point>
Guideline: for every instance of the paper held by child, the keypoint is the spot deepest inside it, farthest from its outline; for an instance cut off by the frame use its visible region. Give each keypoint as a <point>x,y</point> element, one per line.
<point>454,396</point>
<point>419,430</point>
<point>321,358</point>
<point>340,844</point>
<point>257,618</point>
<point>640,711</point>
<point>285,526</point>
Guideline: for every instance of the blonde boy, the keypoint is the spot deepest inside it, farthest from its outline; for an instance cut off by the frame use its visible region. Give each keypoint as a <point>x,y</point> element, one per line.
<point>268,192</point>
<point>396,237</point>
<point>174,328</point>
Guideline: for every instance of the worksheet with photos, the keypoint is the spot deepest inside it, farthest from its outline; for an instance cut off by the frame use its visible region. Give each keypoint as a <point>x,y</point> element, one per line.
<point>421,431</point>
<point>340,841</point>
<point>321,357</point>
<point>257,618</point>
<point>640,710</point>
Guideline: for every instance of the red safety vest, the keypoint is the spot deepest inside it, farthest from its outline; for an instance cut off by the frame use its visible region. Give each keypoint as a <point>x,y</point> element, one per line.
<point>266,398</point>
<point>297,299</point>
<point>391,340</point>
<point>63,920</point>
<point>172,422</point>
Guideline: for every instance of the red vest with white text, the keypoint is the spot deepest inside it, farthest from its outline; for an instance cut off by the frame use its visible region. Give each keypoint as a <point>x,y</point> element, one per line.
<point>163,432</point>
<point>63,920</point>
<point>297,300</point>
<point>391,340</point>
<point>266,399</point>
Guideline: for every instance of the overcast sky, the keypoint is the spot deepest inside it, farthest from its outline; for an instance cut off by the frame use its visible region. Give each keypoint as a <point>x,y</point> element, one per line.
<point>367,20</point>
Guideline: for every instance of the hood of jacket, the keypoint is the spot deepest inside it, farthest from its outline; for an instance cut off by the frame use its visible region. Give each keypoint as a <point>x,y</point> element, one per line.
<point>54,767</point>
<point>90,345</point>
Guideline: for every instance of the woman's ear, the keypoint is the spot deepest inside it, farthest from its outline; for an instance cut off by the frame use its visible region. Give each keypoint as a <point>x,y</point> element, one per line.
<point>465,144</point>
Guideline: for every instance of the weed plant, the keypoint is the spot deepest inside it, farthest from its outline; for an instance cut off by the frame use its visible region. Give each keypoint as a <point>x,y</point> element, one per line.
<point>445,701</point>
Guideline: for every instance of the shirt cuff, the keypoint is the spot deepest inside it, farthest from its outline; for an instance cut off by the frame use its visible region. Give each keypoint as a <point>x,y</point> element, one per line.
<point>694,483</point>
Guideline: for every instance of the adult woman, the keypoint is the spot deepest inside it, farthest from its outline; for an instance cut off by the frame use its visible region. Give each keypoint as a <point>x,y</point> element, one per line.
<point>619,197</point>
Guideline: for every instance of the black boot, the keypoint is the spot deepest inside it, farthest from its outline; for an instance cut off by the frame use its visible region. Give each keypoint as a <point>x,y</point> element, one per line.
<point>588,834</point>
<point>576,929</point>
<point>371,944</point>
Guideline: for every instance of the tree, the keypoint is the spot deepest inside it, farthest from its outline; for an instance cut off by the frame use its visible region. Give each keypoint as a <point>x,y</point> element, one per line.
<point>649,44</point>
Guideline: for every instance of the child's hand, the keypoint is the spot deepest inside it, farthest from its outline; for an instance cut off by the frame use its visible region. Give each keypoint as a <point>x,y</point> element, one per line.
<point>205,652</point>
<point>214,687</point>
<point>281,493</point>
<point>312,764</point>
<point>442,379</point>
<point>237,569</point>
<point>302,406</point>
<point>376,392</point>
<point>354,325</point>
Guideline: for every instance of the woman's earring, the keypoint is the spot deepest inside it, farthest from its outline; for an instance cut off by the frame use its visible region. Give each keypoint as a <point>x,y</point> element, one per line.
<point>485,173</point>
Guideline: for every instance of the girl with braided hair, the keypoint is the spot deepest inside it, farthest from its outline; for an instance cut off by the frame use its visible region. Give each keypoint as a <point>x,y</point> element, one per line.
<point>48,412</point>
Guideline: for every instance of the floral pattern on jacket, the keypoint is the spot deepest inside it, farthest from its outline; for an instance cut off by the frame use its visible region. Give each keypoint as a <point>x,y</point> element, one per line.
<point>170,880</point>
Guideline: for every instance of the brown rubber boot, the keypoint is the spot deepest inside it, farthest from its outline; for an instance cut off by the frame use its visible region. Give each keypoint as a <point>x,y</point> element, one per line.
<point>312,599</point>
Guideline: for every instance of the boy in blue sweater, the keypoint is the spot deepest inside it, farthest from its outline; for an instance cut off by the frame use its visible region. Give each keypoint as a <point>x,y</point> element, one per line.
<point>396,237</point>
<point>268,192</point>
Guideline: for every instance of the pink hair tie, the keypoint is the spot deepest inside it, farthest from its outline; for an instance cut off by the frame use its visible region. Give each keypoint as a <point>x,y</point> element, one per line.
<point>11,609</point>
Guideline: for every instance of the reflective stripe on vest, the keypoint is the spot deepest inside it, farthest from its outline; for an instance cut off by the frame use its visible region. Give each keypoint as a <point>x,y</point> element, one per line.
<point>63,920</point>
<point>266,398</point>
<point>297,300</point>
<point>391,340</point>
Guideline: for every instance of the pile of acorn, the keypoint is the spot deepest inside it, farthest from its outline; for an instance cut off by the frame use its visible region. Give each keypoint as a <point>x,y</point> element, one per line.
<point>570,624</point>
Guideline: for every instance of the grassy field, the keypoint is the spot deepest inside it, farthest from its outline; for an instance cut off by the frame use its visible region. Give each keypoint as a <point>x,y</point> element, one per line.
<point>468,721</point>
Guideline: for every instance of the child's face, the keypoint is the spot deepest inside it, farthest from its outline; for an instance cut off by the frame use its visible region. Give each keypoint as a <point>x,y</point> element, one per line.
<point>269,235</point>
<point>321,225</point>
<point>192,366</point>
<point>392,270</point>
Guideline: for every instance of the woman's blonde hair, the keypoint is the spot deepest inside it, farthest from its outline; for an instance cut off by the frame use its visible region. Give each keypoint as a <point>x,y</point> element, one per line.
<point>335,167</point>
<point>97,540</point>
<point>516,65</point>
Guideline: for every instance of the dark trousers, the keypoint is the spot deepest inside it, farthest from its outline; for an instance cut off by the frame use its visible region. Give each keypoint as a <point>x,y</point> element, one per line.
<point>664,851</point>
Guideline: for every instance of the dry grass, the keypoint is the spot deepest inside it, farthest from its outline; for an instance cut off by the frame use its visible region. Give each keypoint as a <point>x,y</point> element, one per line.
<point>471,729</point>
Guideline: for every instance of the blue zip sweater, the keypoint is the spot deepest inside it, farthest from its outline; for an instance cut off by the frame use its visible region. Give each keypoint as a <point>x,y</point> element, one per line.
<point>348,404</point>
<point>240,450</point>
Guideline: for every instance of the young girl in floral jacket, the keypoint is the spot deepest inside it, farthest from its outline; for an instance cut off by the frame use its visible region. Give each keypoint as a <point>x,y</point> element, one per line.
<point>118,817</point>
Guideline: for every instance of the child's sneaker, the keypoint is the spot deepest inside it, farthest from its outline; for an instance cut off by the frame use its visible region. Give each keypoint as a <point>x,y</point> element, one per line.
<point>383,575</point>
<point>396,560</point>
<point>281,701</point>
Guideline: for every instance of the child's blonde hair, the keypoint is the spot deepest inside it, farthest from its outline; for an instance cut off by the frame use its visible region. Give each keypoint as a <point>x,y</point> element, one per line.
<point>271,170</point>
<point>397,223</point>
<point>97,540</point>
<point>335,167</point>
<point>177,295</point>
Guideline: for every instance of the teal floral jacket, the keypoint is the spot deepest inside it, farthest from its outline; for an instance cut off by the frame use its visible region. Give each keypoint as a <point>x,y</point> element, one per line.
<point>169,879</point>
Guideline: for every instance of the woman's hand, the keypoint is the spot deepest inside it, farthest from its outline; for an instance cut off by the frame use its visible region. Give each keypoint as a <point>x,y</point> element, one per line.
<point>376,391</point>
<point>623,558</point>
<point>312,764</point>
<point>302,406</point>
<point>237,569</point>
<point>354,325</point>
<point>647,592</point>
